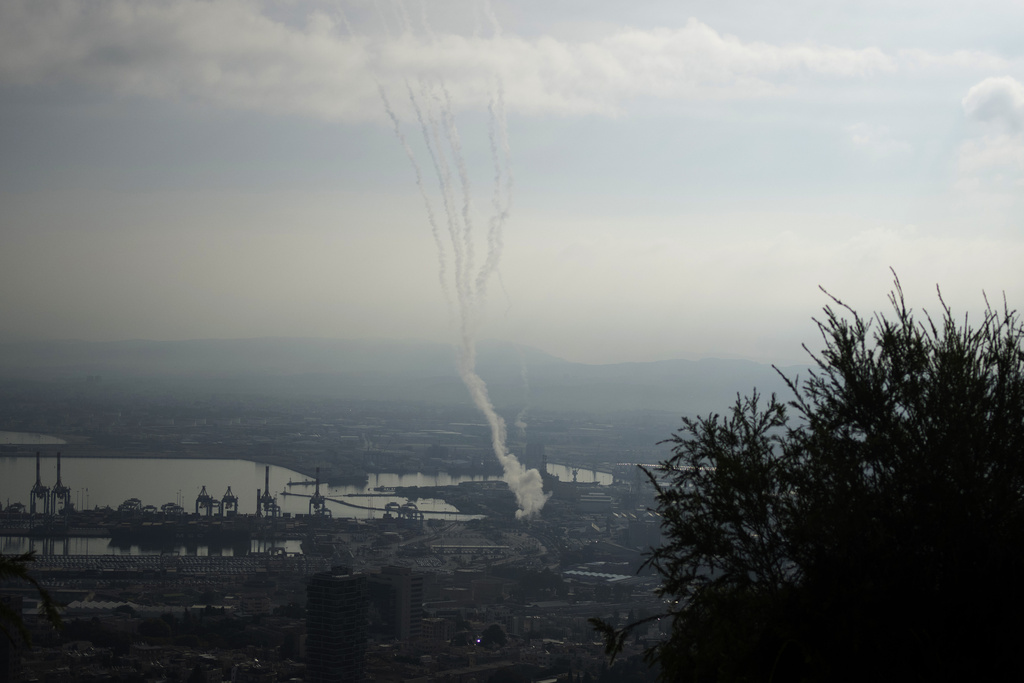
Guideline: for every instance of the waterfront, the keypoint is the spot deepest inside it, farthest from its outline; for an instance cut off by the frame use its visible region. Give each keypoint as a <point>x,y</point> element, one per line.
<point>108,482</point>
<point>583,475</point>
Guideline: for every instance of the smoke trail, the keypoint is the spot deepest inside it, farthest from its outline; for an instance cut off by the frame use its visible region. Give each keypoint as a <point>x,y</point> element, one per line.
<point>432,139</point>
<point>493,18</point>
<point>527,485</point>
<point>476,21</point>
<point>340,13</point>
<point>521,417</point>
<point>426,24</point>
<point>500,204</point>
<point>452,134</point>
<point>521,424</point>
<point>435,115</point>
<point>382,19</point>
<point>403,16</point>
<point>431,219</point>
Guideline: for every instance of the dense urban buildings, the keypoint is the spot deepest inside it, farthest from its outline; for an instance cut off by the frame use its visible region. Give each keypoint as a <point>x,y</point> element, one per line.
<point>189,590</point>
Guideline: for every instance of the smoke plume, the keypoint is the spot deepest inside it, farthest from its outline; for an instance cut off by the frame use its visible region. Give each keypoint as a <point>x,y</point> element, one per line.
<point>435,117</point>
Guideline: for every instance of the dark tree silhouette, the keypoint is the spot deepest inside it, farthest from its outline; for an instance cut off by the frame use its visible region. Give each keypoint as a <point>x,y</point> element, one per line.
<point>878,535</point>
<point>15,567</point>
<point>493,636</point>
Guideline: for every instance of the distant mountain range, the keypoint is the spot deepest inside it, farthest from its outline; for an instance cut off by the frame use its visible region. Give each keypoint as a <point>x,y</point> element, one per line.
<point>397,370</point>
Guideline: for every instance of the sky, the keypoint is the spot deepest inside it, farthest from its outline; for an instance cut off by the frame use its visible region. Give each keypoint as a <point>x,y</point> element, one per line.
<point>680,178</point>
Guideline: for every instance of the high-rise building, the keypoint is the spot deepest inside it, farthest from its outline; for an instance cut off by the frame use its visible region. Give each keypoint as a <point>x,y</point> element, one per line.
<point>336,617</point>
<point>397,597</point>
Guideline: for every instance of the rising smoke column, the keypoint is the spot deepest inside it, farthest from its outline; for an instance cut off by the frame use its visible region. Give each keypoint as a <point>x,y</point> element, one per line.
<point>432,105</point>
<point>526,484</point>
<point>520,422</point>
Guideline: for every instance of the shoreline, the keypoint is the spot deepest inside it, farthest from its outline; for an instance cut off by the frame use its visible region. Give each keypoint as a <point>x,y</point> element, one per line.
<point>91,451</point>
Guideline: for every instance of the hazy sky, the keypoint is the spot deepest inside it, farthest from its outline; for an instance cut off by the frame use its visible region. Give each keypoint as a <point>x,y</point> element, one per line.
<point>686,174</point>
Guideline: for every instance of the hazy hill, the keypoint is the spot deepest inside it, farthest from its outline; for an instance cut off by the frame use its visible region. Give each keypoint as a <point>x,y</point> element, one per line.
<point>394,370</point>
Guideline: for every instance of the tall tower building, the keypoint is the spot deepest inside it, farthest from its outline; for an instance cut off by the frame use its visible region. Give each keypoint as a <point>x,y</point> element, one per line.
<point>336,617</point>
<point>397,597</point>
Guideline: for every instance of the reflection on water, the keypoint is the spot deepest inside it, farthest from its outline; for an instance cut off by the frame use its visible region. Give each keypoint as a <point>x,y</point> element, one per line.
<point>12,545</point>
<point>583,476</point>
<point>108,482</point>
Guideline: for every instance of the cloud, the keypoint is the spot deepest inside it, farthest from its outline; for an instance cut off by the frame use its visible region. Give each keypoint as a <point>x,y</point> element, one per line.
<point>997,100</point>
<point>970,60</point>
<point>990,165</point>
<point>238,53</point>
<point>226,53</point>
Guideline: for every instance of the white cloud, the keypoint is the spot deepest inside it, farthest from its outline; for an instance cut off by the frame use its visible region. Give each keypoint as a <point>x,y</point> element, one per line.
<point>998,100</point>
<point>237,53</point>
<point>222,52</point>
<point>990,165</point>
<point>970,60</point>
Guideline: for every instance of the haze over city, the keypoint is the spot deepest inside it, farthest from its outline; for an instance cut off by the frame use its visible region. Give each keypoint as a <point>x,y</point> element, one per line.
<point>472,340</point>
<point>685,175</point>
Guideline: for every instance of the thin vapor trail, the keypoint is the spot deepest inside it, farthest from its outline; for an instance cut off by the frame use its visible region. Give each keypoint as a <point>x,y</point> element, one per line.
<point>492,17</point>
<point>426,23</point>
<point>502,197</point>
<point>403,16</point>
<point>442,261</point>
<point>521,417</point>
<point>452,134</point>
<point>382,18</point>
<point>433,140</point>
<point>476,21</point>
<point>344,21</point>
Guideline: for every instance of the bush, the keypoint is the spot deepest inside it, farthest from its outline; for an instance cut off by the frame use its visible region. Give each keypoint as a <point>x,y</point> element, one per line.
<point>879,535</point>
